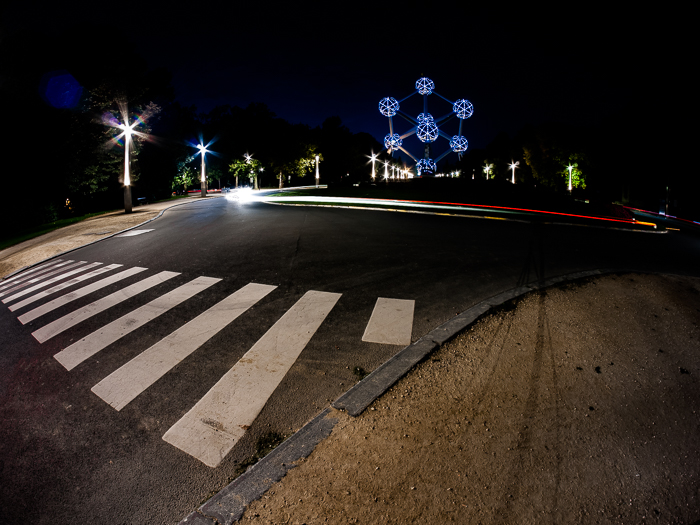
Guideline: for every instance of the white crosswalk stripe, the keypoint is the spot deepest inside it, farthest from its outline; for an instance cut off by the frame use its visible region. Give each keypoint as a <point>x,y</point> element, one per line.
<point>123,385</point>
<point>391,322</point>
<point>39,279</point>
<point>32,272</point>
<point>64,323</point>
<point>26,291</point>
<point>62,286</point>
<point>100,339</point>
<point>81,292</point>
<point>209,431</point>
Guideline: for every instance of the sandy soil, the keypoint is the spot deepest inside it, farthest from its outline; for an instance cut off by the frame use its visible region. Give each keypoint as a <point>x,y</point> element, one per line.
<point>579,405</point>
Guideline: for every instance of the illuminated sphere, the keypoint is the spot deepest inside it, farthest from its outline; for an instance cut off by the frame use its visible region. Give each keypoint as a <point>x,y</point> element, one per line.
<point>388,106</point>
<point>392,141</point>
<point>423,117</point>
<point>427,131</point>
<point>425,86</point>
<point>463,108</point>
<point>459,144</point>
<point>425,166</point>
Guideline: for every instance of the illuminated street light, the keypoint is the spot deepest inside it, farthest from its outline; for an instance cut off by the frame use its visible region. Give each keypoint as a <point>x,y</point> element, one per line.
<point>203,151</point>
<point>386,171</point>
<point>317,174</point>
<point>128,130</point>
<point>512,166</point>
<point>570,168</point>
<point>487,170</point>
<point>373,159</point>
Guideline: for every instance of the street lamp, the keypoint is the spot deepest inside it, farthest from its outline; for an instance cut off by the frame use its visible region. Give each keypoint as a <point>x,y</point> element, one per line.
<point>570,168</point>
<point>512,166</point>
<point>386,171</point>
<point>373,159</point>
<point>128,130</point>
<point>487,170</point>
<point>203,151</point>
<point>257,184</point>
<point>317,174</point>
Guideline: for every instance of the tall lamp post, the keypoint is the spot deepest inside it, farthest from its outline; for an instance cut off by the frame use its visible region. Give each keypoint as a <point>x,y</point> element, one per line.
<point>386,172</point>
<point>203,150</point>
<point>570,168</point>
<point>128,130</point>
<point>512,166</point>
<point>317,174</point>
<point>487,170</point>
<point>374,173</point>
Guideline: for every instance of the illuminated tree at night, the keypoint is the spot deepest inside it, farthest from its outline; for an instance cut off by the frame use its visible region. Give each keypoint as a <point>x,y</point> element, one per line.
<point>426,127</point>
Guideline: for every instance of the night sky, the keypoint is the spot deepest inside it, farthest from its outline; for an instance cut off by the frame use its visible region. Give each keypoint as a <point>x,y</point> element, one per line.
<point>576,65</point>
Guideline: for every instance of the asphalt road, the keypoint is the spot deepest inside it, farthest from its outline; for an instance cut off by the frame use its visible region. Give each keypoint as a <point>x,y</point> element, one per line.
<point>67,456</point>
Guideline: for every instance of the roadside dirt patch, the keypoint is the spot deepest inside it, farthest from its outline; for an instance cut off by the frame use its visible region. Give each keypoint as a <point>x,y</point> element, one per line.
<point>579,405</point>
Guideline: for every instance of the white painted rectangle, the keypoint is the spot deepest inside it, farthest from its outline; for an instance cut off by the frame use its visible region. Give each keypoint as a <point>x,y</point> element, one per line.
<point>26,291</point>
<point>33,272</point>
<point>126,383</point>
<point>391,322</point>
<point>76,294</point>
<point>211,428</point>
<point>78,316</point>
<point>45,276</point>
<point>105,336</point>
<point>131,233</point>
<point>59,287</point>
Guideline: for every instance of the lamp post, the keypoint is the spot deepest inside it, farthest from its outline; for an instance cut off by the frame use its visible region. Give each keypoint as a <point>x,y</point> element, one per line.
<point>257,185</point>
<point>570,168</point>
<point>203,150</point>
<point>512,166</point>
<point>127,179</point>
<point>487,170</point>
<point>317,174</point>
<point>374,173</point>
<point>386,172</point>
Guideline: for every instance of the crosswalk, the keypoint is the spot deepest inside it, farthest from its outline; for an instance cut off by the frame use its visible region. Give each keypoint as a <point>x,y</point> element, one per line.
<point>221,417</point>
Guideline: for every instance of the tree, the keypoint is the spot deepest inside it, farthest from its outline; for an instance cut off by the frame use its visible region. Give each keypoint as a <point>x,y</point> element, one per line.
<point>249,167</point>
<point>185,174</point>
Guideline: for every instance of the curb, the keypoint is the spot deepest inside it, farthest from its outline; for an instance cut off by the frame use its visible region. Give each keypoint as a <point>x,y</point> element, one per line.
<point>93,242</point>
<point>229,504</point>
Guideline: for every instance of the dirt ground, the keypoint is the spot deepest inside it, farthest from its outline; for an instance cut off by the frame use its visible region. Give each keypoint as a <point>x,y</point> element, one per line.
<point>579,404</point>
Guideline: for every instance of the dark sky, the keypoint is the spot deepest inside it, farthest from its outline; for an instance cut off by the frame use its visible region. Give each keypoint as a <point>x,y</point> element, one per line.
<point>518,66</point>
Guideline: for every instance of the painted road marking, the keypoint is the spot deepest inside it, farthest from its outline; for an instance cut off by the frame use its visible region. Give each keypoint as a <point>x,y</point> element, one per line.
<point>391,322</point>
<point>30,273</point>
<point>81,292</point>
<point>62,286</point>
<point>131,233</point>
<point>105,336</point>
<point>210,429</point>
<point>126,383</point>
<point>36,287</point>
<point>38,279</point>
<point>59,325</point>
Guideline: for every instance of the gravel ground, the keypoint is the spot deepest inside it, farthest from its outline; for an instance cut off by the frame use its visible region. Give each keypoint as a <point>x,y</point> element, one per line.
<point>579,404</point>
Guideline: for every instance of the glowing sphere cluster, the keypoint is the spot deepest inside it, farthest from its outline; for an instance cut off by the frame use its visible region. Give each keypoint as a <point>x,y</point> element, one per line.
<point>425,86</point>
<point>392,141</point>
<point>388,106</point>
<point>426,166</point>
<point>427,131</point>
<point>425,117</point>
<point>463,108</point>
<point>459,144</point>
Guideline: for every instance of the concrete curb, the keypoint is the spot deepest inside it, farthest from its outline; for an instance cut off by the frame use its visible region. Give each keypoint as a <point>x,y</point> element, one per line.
<point>230,503</point>
<point>94,242</point>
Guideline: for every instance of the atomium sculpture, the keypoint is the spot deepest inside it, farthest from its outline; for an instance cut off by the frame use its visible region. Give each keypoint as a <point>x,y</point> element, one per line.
<point>425,126</point>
